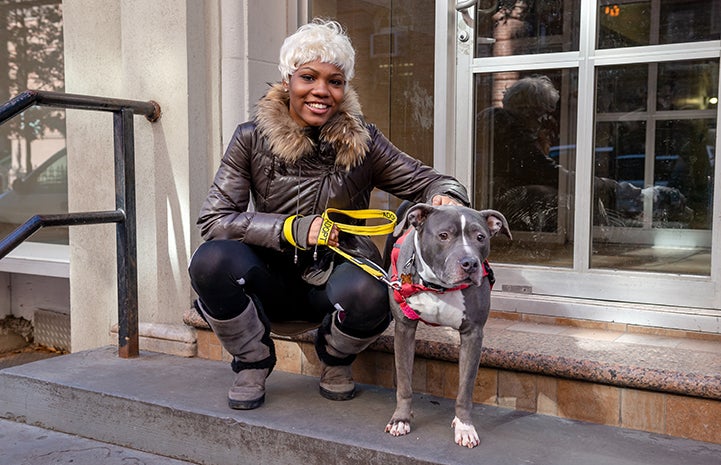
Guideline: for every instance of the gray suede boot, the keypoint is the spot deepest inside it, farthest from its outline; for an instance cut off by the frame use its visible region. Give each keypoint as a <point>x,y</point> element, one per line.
<point>336,351</point>
<point>247,339</point>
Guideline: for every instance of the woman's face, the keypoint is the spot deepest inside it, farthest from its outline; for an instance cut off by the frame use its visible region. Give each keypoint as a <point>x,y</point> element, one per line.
<point>316,90</point>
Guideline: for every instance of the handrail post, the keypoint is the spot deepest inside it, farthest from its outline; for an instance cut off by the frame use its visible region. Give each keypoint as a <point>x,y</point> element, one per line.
<point>128,339</point>
<point>125,215</point>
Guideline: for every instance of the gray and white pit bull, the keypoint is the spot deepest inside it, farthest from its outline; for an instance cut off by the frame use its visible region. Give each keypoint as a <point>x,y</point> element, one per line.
<point>444,281</point>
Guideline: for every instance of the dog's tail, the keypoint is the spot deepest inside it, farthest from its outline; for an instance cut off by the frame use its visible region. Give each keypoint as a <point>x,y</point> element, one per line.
<point>391,238</point>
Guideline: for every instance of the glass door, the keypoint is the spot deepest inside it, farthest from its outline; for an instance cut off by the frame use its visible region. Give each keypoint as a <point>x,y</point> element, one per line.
<point>591,125</point>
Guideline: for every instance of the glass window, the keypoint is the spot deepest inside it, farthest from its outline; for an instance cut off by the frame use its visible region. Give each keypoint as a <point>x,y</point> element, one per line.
<point>653,169</point>
<point>615,185</point>
<point>521,27</point>
<point>630,23</point>
<point>33,167</point>
<point>394,44</point>
<point>525,159</point>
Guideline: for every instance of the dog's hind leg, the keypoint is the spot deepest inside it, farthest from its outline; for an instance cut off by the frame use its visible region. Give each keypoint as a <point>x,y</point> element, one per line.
<point>468,361</point>
<point>404,344</point>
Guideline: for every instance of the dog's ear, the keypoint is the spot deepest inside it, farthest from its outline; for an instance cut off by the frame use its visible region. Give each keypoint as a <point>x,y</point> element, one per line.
<point>496,223</point>
<point>417,214</point>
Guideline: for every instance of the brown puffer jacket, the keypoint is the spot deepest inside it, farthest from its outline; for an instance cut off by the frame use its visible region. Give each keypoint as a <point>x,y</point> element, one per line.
<point>287,169</point>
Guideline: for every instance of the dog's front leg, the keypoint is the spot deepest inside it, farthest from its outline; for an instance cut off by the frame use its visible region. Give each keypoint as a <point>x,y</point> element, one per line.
<point>404,345</point>
<point>468,361</point>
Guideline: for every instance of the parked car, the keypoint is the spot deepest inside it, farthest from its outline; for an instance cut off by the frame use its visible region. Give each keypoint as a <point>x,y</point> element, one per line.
<point>43,190</point>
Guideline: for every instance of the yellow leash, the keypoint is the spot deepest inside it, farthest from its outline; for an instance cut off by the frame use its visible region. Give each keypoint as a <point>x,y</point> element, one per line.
<point>374,230</point>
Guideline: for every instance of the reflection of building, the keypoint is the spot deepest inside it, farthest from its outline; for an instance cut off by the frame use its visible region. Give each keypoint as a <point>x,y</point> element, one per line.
<point>32,45</point>
<point>621,116</point>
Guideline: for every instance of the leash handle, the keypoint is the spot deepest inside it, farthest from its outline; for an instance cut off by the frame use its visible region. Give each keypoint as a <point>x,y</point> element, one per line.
<point>374,230</point>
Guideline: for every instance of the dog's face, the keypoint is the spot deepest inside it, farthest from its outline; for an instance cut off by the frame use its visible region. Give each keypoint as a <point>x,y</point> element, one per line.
<point>453,241</point>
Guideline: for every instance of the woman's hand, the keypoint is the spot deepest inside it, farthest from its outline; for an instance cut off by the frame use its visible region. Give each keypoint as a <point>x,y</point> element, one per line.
<point>444,200</point>
<point>314,232</point>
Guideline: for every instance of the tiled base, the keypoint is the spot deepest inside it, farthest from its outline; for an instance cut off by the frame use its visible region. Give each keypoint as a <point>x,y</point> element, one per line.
<point>676,415</point>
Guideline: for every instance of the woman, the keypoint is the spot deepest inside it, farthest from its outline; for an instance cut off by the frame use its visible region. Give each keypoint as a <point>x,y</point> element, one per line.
<point>307,149</point>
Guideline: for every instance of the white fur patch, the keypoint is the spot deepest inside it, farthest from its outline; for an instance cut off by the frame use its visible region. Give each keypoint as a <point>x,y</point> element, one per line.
<point>425,272</point>
<point>463,231</point>
<point>447,309</point>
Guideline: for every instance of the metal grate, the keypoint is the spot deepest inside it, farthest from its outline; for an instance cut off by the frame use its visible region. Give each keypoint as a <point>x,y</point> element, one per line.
<point>52,329</point>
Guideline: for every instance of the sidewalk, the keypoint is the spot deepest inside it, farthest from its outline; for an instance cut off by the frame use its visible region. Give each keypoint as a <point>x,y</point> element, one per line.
<point>29,445</point>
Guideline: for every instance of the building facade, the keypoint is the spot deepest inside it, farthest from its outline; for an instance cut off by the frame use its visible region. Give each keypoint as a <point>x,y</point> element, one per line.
<point>590,124</point>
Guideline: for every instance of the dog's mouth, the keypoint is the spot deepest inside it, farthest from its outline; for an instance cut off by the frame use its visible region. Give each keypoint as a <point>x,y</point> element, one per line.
<point>475,279</point>
<point>463,279</point>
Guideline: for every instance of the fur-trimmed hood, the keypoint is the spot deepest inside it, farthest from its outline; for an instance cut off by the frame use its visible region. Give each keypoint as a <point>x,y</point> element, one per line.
<point>346,131</point>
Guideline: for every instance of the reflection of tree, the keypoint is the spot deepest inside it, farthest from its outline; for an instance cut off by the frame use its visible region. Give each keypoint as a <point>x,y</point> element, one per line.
<point>31,39</point>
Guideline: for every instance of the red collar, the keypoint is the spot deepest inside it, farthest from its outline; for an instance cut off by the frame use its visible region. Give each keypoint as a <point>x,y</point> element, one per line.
<point>407,289</point>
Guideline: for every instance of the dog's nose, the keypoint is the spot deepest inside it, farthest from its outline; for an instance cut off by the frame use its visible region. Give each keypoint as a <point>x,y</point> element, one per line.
<point>470,264</point>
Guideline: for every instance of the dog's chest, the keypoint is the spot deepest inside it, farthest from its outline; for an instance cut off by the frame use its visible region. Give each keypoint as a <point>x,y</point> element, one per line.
<point>444,309</point>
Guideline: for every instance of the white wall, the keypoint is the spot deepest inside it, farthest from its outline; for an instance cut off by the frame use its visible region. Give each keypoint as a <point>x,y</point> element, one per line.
<point>93,52</point>
<point>252,33</point>
<point>205,63</point>
<point>164,50</point>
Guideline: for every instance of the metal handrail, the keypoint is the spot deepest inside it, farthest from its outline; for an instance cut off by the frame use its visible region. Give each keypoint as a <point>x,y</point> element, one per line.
<point>24,100</point>
<point>124,215</point>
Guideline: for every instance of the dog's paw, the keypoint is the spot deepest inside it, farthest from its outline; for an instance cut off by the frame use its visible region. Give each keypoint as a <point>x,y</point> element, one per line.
<point>465,434</point>
<point>398,427</point>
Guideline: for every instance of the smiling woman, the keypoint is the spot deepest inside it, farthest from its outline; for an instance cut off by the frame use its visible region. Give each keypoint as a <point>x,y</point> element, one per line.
<point>307,150</point>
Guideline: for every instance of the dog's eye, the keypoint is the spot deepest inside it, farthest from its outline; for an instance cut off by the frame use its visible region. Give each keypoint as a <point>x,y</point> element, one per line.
<point>443,236</point>
<point>481,237</point>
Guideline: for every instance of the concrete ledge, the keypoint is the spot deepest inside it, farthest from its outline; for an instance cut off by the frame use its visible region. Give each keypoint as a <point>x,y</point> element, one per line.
<point>661,369</point>
<point>166,338</point>
<point>38,258</point>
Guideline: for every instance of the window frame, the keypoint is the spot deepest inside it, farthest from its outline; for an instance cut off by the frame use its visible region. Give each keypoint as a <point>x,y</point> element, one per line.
<point>666,300</point>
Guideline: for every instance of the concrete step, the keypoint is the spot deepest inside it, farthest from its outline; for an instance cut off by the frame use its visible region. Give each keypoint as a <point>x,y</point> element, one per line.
<point>176,407</point>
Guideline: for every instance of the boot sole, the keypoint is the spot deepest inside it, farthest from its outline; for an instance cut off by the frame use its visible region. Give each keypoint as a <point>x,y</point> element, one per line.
<point>332,395</point>
<point>246,404</point>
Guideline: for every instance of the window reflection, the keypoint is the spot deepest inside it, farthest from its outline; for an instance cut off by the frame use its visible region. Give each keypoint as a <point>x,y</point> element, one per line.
<point>621,89</point>
<point>525,159</point>
<point>629,23</point>
<point>32,179</point>
<point>684,162</point>
<point>395,70</point>
<point>519,27</point>
<point>653,166</point>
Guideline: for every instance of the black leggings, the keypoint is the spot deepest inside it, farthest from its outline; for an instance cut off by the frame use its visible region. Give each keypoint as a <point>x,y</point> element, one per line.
<point>224,273</point>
